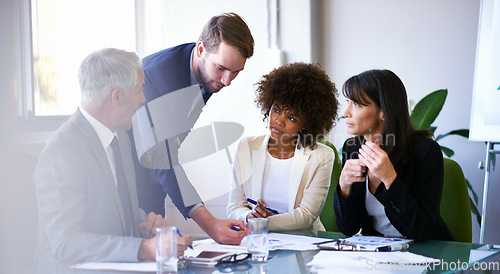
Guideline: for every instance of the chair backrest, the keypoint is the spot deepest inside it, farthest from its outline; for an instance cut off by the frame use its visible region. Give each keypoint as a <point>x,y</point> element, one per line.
<point>455,202</point>
<point>327,215</point>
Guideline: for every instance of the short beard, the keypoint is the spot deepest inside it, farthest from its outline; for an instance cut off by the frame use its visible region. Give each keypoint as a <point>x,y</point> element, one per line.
<point>203,75</point>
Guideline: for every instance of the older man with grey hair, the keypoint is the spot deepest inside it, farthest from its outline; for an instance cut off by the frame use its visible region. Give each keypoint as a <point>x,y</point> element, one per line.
<point>85,181</point>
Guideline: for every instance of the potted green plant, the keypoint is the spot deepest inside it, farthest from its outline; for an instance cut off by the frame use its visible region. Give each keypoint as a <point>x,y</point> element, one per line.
<point>423,115</point>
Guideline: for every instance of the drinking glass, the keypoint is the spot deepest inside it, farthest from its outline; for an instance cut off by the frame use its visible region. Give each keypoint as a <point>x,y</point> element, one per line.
<point>166,249</point>
<point>258,239</point>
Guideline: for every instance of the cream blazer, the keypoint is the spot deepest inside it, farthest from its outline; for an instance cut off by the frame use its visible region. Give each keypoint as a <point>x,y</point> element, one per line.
<point>307,191</point>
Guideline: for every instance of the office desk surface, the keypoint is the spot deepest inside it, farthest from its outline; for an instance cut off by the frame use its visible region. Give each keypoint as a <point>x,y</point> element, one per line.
<point>453,257</point>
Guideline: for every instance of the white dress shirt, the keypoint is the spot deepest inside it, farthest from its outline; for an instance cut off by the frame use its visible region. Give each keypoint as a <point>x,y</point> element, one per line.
<point>105,135</point>
<point>276,180</point>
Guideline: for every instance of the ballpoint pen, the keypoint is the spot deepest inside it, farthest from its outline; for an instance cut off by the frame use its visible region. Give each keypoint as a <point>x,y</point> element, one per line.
<point>398,247</point>
<point>180,235</point>
<point>268,208</point>
<point>324,242</point>
<point>237,228</point>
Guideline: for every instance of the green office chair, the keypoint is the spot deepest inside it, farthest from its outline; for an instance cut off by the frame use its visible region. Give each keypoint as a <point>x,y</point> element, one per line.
<point>455,202</point>
<point>327,215</point>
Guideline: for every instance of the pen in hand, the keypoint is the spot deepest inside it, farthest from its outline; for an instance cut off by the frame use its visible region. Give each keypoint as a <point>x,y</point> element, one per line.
<point>180,235</point>
<point>268,208</point>
<point>237,228</point>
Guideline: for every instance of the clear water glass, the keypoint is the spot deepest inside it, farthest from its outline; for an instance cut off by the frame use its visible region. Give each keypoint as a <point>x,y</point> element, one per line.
<point>258,239</point>
<point>166,249</point>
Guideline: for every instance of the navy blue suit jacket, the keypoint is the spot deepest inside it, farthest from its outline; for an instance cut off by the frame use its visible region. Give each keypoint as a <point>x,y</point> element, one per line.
<point>164,72</point>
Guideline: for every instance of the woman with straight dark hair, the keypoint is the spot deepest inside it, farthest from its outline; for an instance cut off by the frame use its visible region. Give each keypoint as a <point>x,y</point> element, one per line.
<point>392,175</point>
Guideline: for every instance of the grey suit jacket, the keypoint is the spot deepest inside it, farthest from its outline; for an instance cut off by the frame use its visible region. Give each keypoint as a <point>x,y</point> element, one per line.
<point>80,212</point>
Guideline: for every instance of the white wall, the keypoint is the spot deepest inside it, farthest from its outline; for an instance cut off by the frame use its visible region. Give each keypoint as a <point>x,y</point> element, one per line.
<point>431,45</point>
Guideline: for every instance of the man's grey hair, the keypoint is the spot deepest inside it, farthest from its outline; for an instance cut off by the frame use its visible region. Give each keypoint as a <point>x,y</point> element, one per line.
<point>107,69</point>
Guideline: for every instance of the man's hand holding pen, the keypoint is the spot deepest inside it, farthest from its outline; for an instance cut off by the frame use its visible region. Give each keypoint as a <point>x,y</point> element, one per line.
<point>260,210</point>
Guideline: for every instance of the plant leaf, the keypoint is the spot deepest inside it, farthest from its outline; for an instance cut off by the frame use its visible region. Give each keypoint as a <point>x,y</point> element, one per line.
<point>427,109</point>
<point>474,194</point>
<point>448,152</point>
<point>411,103</point>
<point>432,129</point>
<point>460,132</point>
<point>473,203</point>
<point>474,211</point>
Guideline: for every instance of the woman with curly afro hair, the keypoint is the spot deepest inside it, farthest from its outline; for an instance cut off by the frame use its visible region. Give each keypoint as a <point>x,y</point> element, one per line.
<point>287,170</point>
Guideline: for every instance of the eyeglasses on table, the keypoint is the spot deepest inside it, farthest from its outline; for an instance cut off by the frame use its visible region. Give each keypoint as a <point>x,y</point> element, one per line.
<point>233,258</point>
<point>342,244</point>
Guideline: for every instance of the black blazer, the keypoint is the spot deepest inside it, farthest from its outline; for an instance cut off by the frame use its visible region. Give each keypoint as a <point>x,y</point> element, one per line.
<point>411,203</point>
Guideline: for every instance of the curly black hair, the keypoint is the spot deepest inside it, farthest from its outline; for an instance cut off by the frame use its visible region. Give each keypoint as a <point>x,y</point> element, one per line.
<point>307,90</point>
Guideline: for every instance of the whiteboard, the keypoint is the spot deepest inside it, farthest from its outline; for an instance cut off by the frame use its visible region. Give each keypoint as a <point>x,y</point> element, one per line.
<point>485,111</point>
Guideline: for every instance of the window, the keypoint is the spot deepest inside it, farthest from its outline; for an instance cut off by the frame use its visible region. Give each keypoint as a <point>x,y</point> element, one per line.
<point>63,34</point>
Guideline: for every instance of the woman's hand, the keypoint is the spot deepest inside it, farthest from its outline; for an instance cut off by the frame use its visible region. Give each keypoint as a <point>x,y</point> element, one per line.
<point>377,161</point>
<point>353,171</point>
<point>259,211</point>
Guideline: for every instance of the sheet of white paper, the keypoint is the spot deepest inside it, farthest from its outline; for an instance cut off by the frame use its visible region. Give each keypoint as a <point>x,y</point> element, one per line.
<point>132,267</point>
<point>211,245</point>
<point>478,255</point>
<point>277,241</point>
<point>355,261</point>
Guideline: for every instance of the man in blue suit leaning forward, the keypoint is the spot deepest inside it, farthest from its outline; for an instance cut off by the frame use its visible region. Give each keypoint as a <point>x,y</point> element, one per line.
<point>178,83</point>
<point>85,181</point>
